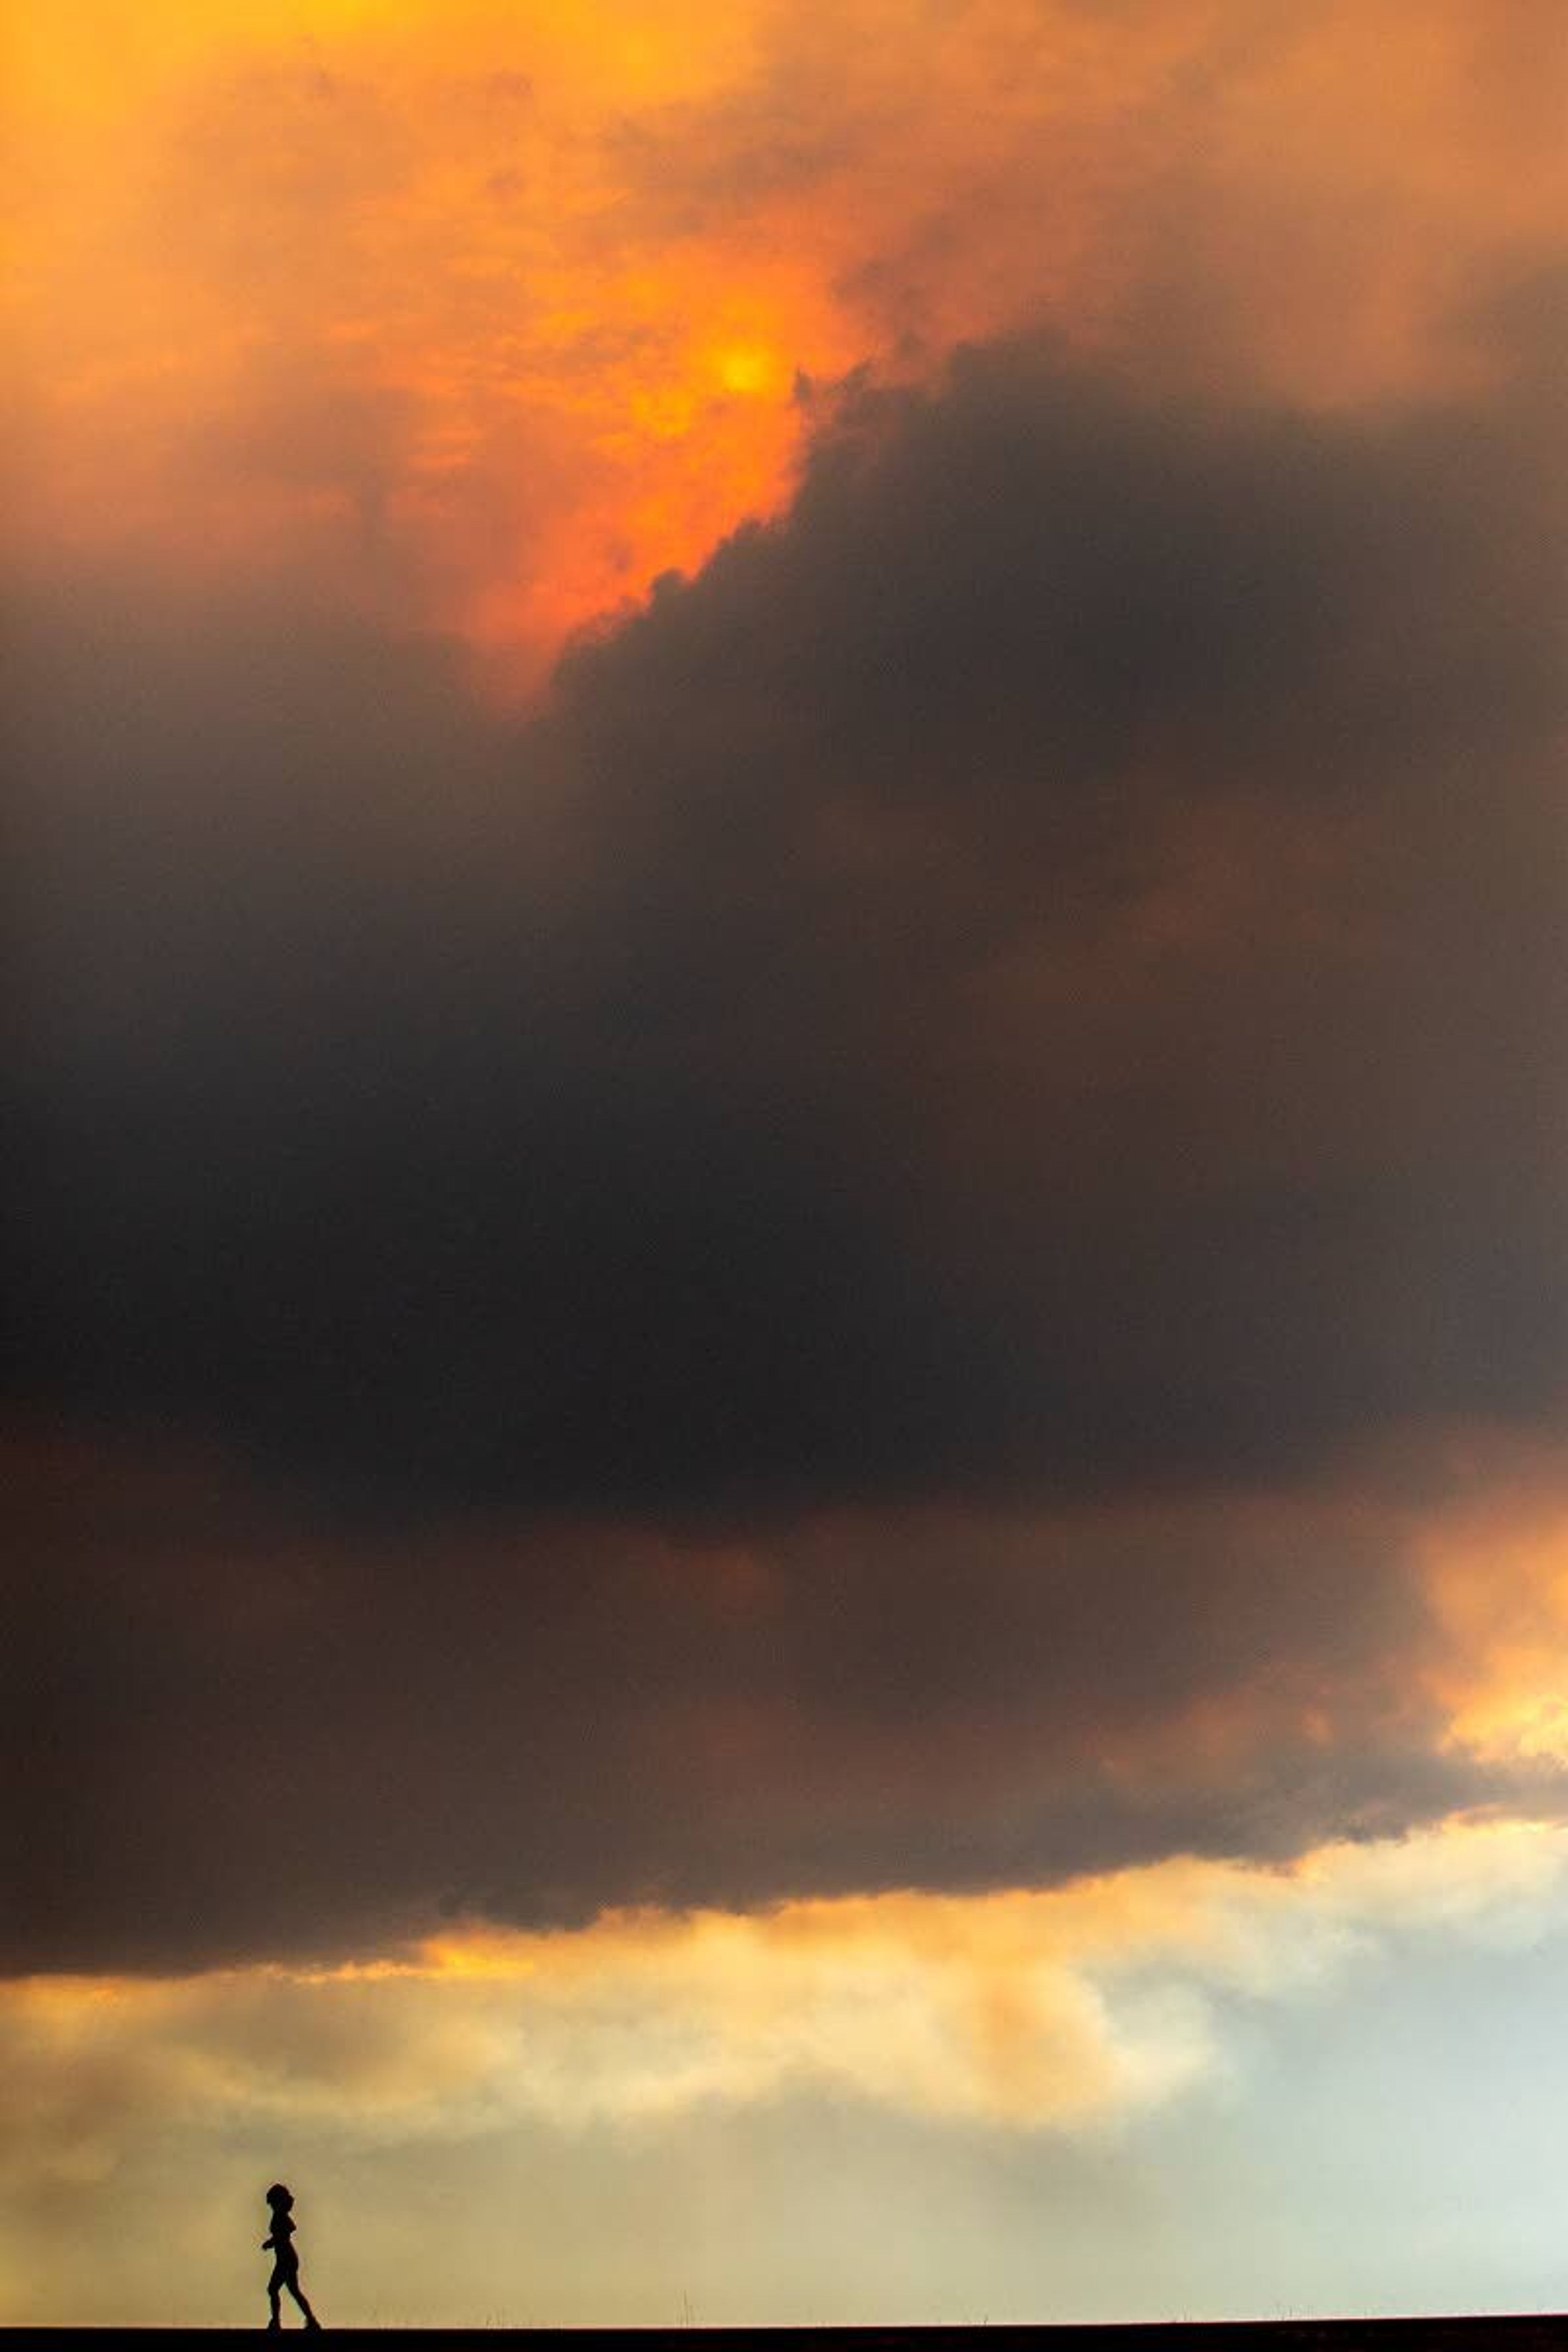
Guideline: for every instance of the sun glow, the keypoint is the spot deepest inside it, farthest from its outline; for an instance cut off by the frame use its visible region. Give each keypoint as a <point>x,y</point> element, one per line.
<point>488,316</point>
<point>750,368</point>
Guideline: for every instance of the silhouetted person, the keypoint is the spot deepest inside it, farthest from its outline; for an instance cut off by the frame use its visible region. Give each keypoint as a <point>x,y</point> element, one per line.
<point>285,2260</point>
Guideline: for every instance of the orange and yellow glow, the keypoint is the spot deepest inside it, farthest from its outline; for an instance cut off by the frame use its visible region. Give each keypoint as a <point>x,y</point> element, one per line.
<point>1497,1577</point>
<point>485,316</point>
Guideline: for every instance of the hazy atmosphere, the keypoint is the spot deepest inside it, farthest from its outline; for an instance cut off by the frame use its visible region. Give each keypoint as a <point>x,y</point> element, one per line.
<point>788,1267</point>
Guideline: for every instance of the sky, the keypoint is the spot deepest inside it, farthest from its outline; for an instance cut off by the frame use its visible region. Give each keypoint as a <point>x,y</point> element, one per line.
<point>787,1182</point>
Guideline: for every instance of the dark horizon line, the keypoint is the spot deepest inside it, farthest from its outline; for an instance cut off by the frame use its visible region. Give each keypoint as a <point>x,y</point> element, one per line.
<point>1526,2331</point>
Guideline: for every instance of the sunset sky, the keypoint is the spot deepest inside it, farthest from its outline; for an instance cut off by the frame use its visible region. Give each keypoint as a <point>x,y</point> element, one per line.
<point>788,1207</point>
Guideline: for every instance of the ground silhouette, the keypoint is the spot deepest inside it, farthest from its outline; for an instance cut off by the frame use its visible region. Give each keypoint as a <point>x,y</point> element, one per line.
<point>1522,2332</point>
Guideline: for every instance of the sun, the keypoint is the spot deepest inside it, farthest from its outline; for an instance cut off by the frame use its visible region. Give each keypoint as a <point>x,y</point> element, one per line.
<point>749,369</point>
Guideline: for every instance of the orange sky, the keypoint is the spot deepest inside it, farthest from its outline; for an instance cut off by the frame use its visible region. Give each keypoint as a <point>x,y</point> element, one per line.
<point>485,315</point>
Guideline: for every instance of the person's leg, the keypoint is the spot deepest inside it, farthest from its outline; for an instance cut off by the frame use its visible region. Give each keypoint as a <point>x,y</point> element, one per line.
<point>272,2286</point>
<point>298,2293</point>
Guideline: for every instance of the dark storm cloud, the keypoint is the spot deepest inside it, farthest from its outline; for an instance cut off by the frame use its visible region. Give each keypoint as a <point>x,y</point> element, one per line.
<point>230,1735</point>
<point>1034,983</point>
<point>1044,966</point>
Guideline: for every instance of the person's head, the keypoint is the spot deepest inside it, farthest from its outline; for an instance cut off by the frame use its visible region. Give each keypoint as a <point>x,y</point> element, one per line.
<point>279,2198</point>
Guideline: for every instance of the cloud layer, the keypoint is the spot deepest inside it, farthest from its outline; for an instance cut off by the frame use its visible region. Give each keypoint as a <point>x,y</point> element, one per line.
<point>1041,966</point>
<point>1034,2012</point>
<point>863,1251</point>
<point>323,1741</point>
<point>789,1274</point>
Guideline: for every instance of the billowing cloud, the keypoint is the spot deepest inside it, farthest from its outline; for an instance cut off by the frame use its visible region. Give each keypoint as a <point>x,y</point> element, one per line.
<point>1042,967</point>
<point>797,1274</point>
<point>324,1740</point>
<point>1036,2011</point>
